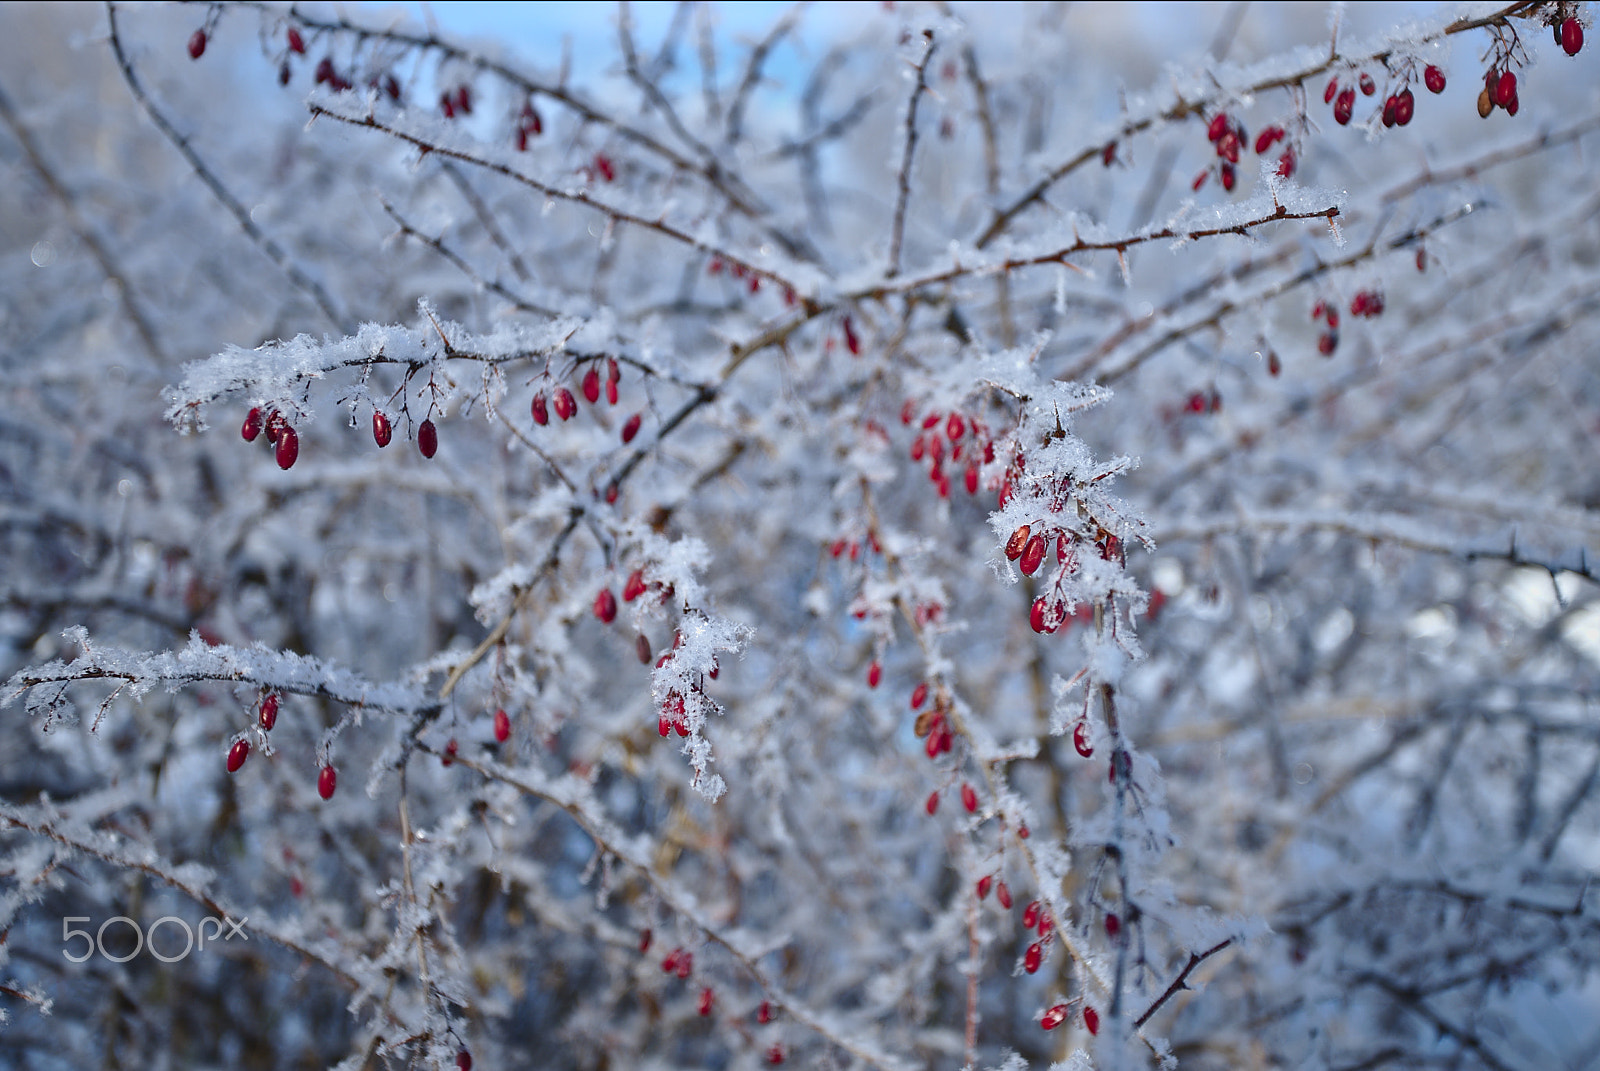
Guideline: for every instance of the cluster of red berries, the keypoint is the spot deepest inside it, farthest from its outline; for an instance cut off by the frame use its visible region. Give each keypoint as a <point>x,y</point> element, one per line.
<point>529,125</point>
<point>1368,303</point>
<point>1499,91</point>
<point>266,718</point>
<point>1398,107</point>
<point>751,280</point>
<point>933,727</point>
<point>1037,916</point>
<point>1028,547</point>
<point>1330,338</point>
<point>1001,892</point>
<point>1229,137</point>
<point>566,406</point>
<point>281,435</point>
<point>971,445</point>
<point>1204,402</point>
<point>457,100</point>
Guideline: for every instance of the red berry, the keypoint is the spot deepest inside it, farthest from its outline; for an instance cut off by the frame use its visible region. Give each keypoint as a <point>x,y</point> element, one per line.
<point>1030,915</point>
<point>1032,555</point>
<point>1045,924</point>
<point>1571,37</point>
<point>591,386</point>
<point>705,1001</point>
<point>969,798</point>
<point>955,427</point>
<point>450,751</point>
<point>268,716</point>
<point>1505,90</point>
<point>1054,1017</point>
<point>325,71</point>
<point>685,964</point>
<point>611,392</point>
<point>1333,88</point>
<point>764,1013</point>
<point>1036,615</point>
<point>918,448</point>
<point>1422,259</point>
<point>1227,177</point>
<point>381,431</point>
<point>1328,343</point>
<point>252,425</point>
<point>1218,126</point>
<point>1080,739</point>
<point>605,606</point>
<point>641,648</point>
<point>197,44</point>
<point>502,725</point>
<point>645,936</point>
<point>983,886</point>
<point>1266,138</point>
<point>634,587</point>
<point>463,1061</point>
<point>851,342</point>
<point>1108,155</point>
<point>296,42</point>
<point>1390,111</point>
<point>1003,894</point>
<point>327,781</point>
<point>1022,831</point>
<point>1344,106</point>
<point>874,675</point>
<point>391,86</point>
<point>603,164</point>
<point>1286,163</point>
<point>1512,105</point>
<point>1091,1019</point>
<point>1017,543</point>
<point>1200,179</point>
<point>541,413</point>
<point>1368,86</point>
<point>630,428</point>
<point>1033,957</point>
<point>971,479</point>
<point>1113,924</point>
<point>1433,78</point>
<point>775,1055</point>
<point>428,439</point>
<point>1404,107</point>
<point>565,404</point>
<point>933,802</point>
<point>288,447</point>
<point>919,695</point>
<point>237,754</point>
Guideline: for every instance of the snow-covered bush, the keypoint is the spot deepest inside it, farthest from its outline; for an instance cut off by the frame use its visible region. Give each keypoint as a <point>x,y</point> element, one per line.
<point>930,537</point>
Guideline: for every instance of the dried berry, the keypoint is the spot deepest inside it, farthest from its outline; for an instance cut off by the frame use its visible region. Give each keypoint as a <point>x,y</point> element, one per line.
<point>641,648</point>
<point>327,781</point>
<point>237,754</point>
<point>1485,104</point>
<point>428,439</point>
<point>381,431</point>
<point>502,725</point>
